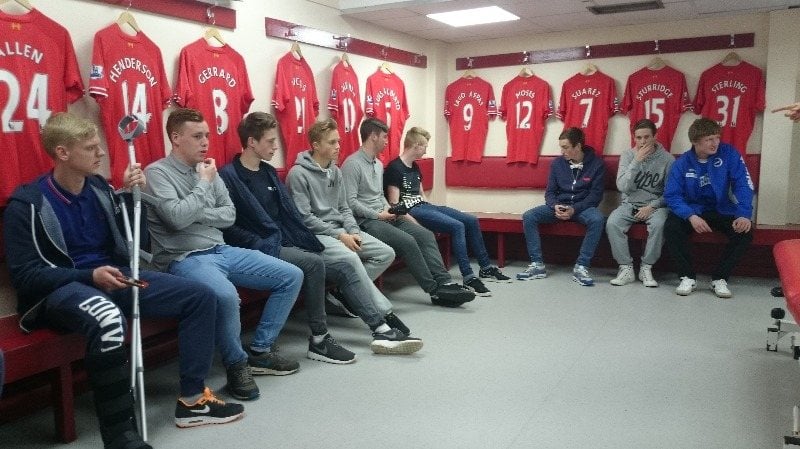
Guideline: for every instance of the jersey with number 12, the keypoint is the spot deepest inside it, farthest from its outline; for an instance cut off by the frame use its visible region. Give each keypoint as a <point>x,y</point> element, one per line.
<point>296,104</point>
<point>525,104</point>
<point>38,77</point>
<point>587,102</point>
<point>345,107</point>
<point>214,81</point>
<point>468,106</point>
<point>127,77</point>
<point>732,96</point>
<point>385,99</point>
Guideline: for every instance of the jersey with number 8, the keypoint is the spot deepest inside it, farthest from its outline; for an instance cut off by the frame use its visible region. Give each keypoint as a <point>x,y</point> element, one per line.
<point>732,96</point>
<point>214,81</point>
<point>525,104</point>
<point>38,77</point>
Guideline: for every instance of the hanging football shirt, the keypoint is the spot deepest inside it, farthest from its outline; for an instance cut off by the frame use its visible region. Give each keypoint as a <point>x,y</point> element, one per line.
<point>344,105</point>
<point>525,105</point>
<point>296,104</point>
<point>385,99</point>
<point>468,106</point>
<point>587,102</point>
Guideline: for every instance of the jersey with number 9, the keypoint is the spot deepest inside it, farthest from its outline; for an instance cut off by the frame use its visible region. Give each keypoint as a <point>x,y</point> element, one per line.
<point>38,77</point>
<point>525,104</point>
<point>468,106</point>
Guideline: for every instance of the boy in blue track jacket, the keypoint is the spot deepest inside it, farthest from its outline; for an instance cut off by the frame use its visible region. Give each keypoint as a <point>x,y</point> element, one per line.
<point>708,189</point>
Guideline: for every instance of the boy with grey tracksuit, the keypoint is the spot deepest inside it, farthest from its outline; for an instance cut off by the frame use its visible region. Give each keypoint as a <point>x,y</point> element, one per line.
<point>316,186</point>
<point>641,178</point>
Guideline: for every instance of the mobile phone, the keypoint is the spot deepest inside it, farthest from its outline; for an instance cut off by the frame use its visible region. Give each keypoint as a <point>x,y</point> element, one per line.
<point>562,208</point>
<point>133,282</point>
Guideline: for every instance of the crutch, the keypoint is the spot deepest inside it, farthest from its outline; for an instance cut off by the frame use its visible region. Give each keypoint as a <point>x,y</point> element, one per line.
<point>130,127</point>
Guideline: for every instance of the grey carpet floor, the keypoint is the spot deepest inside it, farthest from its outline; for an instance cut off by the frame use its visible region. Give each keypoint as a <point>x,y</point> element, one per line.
<point>540,364</point>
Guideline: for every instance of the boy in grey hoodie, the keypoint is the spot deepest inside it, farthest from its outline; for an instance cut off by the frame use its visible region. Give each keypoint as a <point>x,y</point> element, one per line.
<point>315,183</point>
<point>640,178</point>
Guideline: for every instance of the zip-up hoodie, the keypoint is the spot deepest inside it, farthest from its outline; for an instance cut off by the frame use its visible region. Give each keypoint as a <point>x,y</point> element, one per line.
<point>38,259</point>
<point>727,174</point>
<point>320,197</point>
<point>580,188</point>
<point>642,182</point>
<point>254,228</point>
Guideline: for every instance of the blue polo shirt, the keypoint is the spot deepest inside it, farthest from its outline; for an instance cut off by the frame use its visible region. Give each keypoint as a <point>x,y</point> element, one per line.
<point>83,223</point>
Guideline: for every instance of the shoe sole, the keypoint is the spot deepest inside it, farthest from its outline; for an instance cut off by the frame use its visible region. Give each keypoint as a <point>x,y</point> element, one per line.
<point>528,278</point>
<point>653,285</point>
<point>322,358</point>
<point>495,280</point>
<point>581,283</point>
<point>685,293</point>
<point>270,372</point>
<point>395,347</point>
<point>195,421</point>
<point>620,283</point>
<point>448,304</point>
<point>723,296</point>
<point>481,294</point>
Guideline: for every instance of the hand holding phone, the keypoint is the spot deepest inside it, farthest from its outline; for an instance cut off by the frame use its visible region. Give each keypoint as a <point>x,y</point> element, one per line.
<point>132,282</point>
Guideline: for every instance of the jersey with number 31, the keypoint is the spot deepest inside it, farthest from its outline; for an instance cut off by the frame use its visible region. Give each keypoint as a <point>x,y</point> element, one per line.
<point>214,81</point>
<point>127,77</point>
<point>525,104</point>
<point>732,96</point>
<point>296,104</point>
<point>587,102</point>
<point>38,77</point>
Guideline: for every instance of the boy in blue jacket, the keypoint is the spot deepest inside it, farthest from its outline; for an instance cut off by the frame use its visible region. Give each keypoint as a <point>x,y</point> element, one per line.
<point>574,190</point>
<point>708,189</point>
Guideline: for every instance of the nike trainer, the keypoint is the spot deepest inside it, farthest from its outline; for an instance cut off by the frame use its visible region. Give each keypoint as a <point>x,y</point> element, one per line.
<point>207,410</point>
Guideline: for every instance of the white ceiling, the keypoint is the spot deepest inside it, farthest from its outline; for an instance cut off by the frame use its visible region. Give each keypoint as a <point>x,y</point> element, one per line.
<point>536,16</point>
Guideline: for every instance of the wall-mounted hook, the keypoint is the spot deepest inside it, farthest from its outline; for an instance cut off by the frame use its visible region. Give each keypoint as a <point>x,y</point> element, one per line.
<point>469,62</point>
<point>733,40</point>
<point>384,53</point>
<point>342,41</point>
<point>588,51</point>
<point>210,14</point>
<point>290,31</point>
<point>656,49</point>
<point>417,59</point>
<point>526,57</point>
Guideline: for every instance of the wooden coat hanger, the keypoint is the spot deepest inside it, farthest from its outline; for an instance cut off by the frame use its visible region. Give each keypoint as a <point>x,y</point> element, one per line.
<point>656,64</point>
<point>295,50</point>
<point>126,18</point>
<point>212,33</point>
<point>385,68</point>
<point>526,72</point>
<point>731,59</point>
<point>590,69</point>
<point>345,59</point>
<point>468,74</point>
<point>24,3</point>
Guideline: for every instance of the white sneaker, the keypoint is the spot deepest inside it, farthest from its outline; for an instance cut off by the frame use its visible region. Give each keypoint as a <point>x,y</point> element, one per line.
<point>624,275</point>
<point>720,287</point>
<point>646,275</point>
<point>687,286</point>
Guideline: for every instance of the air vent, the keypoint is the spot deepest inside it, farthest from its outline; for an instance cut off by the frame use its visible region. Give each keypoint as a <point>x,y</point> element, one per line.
<point>626,7</point>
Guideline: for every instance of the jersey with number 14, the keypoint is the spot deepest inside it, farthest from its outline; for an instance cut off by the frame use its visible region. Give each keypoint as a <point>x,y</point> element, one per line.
<point>214,81</point>
<point>38,77</point>
<point>296,104</point>
<point>385,99</point>
<point>525,104</point>
<point>345,107</point>
<point>659,95</point>
<point>587,102</point>
<point>468,106</point>
<point>127,77</point>
<point>732,96</point>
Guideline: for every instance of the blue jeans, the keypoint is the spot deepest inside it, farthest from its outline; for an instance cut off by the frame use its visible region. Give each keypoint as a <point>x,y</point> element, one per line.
<point>223,268</point>
<point>591,218</point>
<point>462,228</point>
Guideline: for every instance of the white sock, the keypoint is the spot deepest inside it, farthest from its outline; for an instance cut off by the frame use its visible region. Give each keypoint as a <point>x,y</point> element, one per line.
<point>383,328</point>
<point>317,339</point>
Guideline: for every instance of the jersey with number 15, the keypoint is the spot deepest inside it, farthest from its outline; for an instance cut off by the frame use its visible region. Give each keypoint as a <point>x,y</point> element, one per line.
<point>38,77</point>
<point>214,81</point>
<point>296,103</point>
<point>127,77</point>
<point>732,96</point>
<point>525,104</point>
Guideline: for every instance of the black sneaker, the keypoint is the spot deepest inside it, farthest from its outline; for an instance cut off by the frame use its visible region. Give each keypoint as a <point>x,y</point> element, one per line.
<point>336,305</point>
<point>477,287</point>
<point>451,295</point>
<point>270,363</point>
<point>394,342</point>
<point>493,274</point>
<point>240,382</point>
<point>207,410</point>
<point>329,350</point>
<point>393,321</point>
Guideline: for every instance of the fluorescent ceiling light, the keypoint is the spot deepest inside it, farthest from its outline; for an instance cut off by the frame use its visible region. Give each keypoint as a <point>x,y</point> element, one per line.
<point>475,16</point>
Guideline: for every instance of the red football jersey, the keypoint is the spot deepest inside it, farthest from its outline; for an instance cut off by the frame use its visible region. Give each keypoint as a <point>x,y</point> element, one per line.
<point>659,95</point>
<point>587,102</point>
<point>38,77</point>
<point>345,107</point>
<point>525,105</point>
<point>468,106</point>
<point>732,95</point>
<point>296,104</point>
<point>127,77</point>
<point>214,81</point>
<point>385,99</point>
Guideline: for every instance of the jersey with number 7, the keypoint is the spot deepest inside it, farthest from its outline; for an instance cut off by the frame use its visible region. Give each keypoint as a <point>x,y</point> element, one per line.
<point>525,104</point>
<point>38,77</point>
<point>587,102</point>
